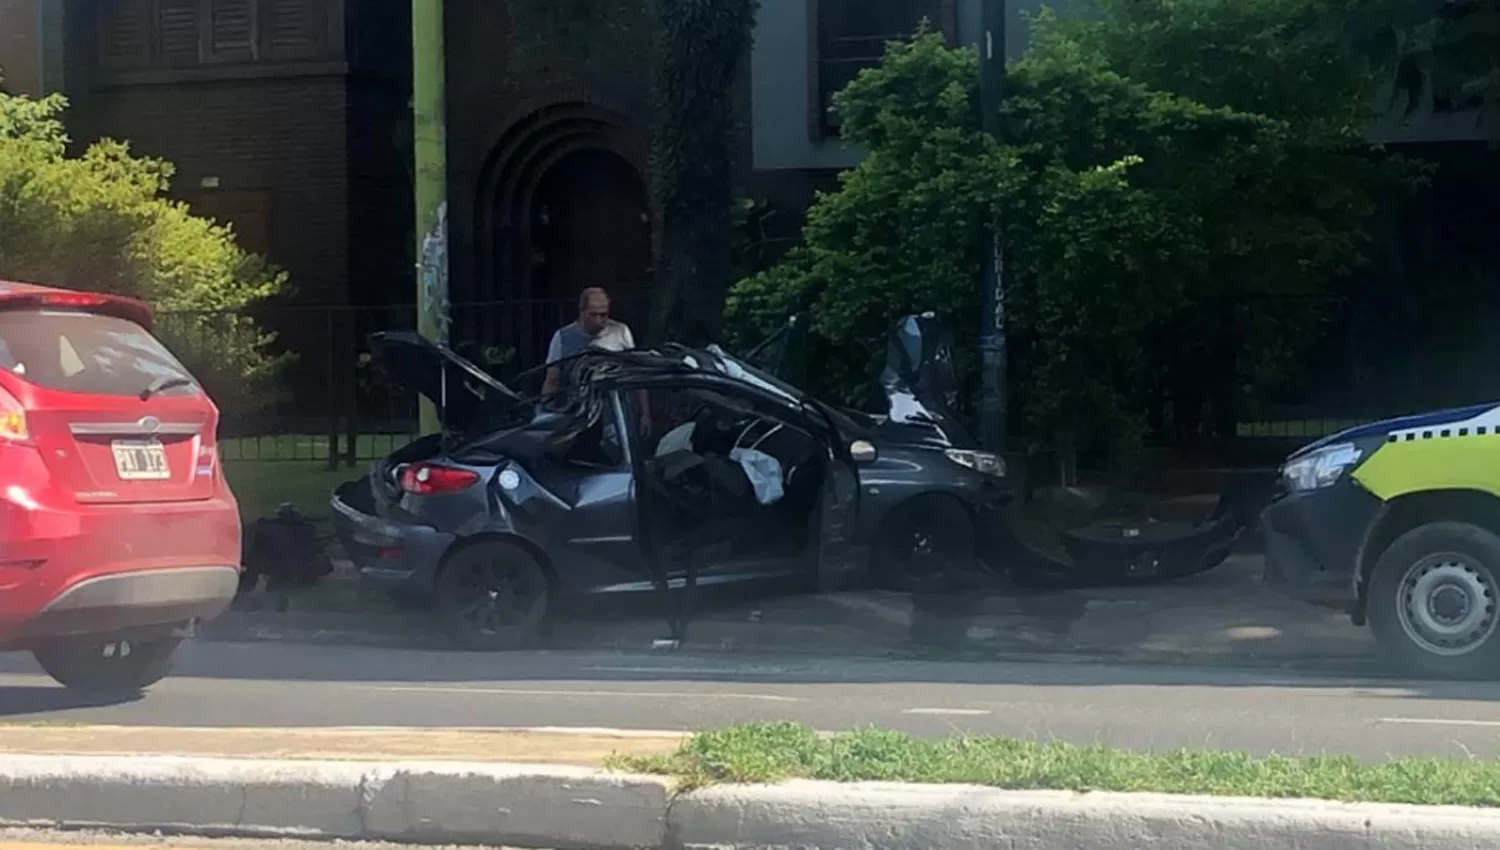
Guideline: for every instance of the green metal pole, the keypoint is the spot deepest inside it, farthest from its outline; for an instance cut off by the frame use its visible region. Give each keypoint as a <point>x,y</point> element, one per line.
<point>430,164</point>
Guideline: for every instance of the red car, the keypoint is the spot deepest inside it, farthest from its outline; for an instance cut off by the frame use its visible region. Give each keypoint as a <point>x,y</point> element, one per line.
<point>117,530</point>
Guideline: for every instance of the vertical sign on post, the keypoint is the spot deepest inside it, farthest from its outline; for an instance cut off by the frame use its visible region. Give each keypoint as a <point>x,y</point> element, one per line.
<point>993,401</point>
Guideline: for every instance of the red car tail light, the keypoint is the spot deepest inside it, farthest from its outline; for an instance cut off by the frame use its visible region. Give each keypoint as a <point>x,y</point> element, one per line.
<point>12,419</point>
<point>431,479</point>
<point>72,299</point>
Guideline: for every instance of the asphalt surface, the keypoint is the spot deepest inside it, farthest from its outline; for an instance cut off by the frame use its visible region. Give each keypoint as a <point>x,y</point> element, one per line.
<point>1142,707</point>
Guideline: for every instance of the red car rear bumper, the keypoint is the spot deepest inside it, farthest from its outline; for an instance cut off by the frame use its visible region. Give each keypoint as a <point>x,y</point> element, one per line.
<point>70,569</point>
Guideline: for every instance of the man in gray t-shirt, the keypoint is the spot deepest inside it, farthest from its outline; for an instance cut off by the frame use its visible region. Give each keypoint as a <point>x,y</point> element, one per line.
<point>592,329</point>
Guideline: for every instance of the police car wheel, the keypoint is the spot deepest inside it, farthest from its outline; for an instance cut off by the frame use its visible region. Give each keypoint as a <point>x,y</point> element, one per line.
<point>1434,600</point>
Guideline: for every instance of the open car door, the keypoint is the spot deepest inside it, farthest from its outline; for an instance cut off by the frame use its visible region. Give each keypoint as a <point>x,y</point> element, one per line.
<point>689,548</point>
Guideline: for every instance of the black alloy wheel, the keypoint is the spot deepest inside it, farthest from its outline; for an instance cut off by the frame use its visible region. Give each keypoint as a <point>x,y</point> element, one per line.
<point>924,544</point>
<point>493,595</point>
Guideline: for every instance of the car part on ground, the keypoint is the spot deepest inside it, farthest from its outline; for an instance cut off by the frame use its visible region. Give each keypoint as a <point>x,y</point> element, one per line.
<point>1133,553</point>
<point>284,551</point>
<point>117,529</point>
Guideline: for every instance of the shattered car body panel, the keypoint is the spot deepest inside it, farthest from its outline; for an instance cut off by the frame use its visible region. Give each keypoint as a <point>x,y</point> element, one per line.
<point>605,506</point>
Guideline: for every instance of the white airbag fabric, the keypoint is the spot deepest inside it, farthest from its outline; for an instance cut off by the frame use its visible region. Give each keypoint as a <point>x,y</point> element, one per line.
<point>763,471</point>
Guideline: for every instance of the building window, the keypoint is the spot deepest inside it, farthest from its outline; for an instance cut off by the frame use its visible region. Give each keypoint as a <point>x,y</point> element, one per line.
<point>850,35</point>
<point>167,34</point>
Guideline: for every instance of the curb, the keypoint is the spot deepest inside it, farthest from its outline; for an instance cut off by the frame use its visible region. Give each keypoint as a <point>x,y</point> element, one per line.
<point>520,805</point>
<point>417,802</point>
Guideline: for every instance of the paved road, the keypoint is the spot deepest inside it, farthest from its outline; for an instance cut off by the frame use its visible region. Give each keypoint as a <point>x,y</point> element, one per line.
<point>1138,707</point>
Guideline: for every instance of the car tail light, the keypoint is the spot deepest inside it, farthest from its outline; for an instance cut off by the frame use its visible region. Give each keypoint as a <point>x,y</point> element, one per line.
<point>431,479</point>
<point>12,419</point>
<point>72,299</point>
<point>208,461</point>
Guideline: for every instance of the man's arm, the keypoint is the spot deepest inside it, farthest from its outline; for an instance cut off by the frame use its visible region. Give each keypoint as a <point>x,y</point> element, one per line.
<point>554,374</point>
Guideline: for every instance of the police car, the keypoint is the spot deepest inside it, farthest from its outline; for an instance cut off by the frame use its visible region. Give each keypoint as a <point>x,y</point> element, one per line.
<point>1398,523</point>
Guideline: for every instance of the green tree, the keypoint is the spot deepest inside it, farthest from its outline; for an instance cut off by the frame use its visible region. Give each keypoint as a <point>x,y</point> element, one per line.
<point>1168,164</point>
<point>101,220</point>
<point>701,46</point>
<point>1281,218</point>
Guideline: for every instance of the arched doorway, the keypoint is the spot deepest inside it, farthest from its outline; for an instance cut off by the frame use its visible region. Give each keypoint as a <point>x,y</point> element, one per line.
<point>590,226</point>
<point>562,205</point>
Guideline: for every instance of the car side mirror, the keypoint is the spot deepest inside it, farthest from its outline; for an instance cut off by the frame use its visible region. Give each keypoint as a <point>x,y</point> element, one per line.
<point>863,451</point>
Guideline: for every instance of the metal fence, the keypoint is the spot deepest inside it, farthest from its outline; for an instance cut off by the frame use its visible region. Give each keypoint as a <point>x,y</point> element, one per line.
<point>327,401</point>
<point>299,383</point>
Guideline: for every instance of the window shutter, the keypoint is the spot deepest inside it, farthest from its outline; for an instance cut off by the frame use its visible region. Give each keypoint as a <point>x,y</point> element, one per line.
<point>232,30</point>
<point>178,37</point>
<point>296,29</point>
<point>124,36</point>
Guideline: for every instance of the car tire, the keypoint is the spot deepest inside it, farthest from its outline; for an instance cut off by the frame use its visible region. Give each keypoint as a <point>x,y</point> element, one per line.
<point>923,545</point>
<point>115,668</point>
<point>493,596</point>
<point>1433,600</point>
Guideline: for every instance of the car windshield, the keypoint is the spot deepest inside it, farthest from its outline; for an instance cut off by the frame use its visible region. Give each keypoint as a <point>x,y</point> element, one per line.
<point>85,353</point>
<point>738,369</point>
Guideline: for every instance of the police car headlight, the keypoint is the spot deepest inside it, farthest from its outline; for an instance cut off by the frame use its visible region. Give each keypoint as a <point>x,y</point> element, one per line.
<point>1320,468</point>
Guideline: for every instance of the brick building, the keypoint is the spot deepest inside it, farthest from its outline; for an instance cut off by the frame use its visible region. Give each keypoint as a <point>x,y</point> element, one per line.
<point>281,117</point>
<point>289,119</point>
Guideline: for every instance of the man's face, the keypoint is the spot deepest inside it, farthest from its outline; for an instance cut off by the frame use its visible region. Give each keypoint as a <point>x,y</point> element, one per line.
<point>595,315</point>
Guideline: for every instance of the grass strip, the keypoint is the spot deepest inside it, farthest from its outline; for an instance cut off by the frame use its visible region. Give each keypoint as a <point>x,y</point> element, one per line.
<point>761,753</point>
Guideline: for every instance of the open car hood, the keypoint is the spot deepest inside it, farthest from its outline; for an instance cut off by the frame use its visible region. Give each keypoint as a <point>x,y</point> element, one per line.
<point>920,383</point>
<point>466,396</point>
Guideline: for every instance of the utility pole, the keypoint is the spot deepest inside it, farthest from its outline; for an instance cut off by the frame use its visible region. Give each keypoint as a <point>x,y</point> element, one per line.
<point>430,165</point>
<point>993,404</point>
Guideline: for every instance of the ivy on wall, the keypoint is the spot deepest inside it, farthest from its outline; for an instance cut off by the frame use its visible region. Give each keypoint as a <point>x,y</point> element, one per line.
<point>547,37</point>
<point>700,48</point>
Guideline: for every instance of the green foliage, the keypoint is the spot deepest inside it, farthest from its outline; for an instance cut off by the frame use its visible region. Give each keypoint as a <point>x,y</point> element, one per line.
<point>1166,164</point>
<point>701,46</point>
<point>100,220</point>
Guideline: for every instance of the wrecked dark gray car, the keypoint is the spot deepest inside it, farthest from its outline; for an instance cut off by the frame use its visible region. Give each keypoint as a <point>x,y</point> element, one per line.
<point>665,470</point>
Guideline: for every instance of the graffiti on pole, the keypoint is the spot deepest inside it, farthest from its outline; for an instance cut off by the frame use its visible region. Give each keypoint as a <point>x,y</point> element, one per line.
<point>433,267</point>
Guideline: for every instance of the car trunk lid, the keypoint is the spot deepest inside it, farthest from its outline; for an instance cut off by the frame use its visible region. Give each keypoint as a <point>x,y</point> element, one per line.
<point>465,395</point>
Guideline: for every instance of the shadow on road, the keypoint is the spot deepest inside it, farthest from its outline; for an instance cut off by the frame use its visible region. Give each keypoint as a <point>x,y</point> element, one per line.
<point>285,663</point>
<point>17,700</point>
